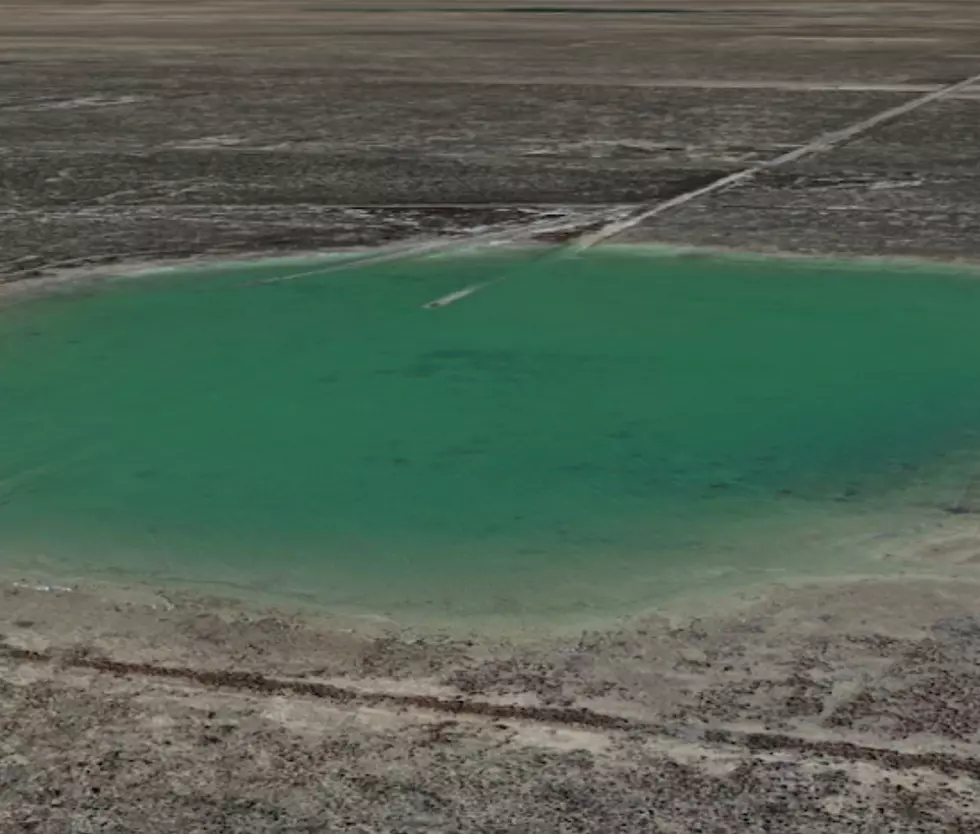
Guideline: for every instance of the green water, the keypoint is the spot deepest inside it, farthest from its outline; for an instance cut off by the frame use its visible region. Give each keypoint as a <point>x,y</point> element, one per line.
<point>588,433</point>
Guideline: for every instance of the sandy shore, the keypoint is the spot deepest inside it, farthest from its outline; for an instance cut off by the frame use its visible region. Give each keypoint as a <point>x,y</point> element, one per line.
<point>829,707</point>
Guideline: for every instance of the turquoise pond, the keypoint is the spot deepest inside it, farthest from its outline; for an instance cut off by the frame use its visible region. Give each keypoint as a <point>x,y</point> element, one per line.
<point>584,435</point>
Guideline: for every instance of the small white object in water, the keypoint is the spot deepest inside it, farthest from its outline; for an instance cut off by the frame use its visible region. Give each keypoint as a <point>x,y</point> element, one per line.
<point>453,297</point>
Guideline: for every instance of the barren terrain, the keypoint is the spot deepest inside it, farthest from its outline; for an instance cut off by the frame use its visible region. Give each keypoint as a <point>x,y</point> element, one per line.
<point>176,129</point>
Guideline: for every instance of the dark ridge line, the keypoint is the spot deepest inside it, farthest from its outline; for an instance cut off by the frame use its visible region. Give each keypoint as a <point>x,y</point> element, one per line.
<point>945,763</point>
<point>256,682</point>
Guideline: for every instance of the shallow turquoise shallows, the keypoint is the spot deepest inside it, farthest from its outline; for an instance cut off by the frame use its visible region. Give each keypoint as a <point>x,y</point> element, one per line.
<point>587,434</point>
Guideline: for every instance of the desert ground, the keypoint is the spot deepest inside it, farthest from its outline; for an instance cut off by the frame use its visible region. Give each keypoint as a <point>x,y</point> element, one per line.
<point>148,132</point>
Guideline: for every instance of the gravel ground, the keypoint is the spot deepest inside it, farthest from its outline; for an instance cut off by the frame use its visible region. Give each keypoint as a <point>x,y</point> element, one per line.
<point>135,130</point>
<point>849,707</point>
